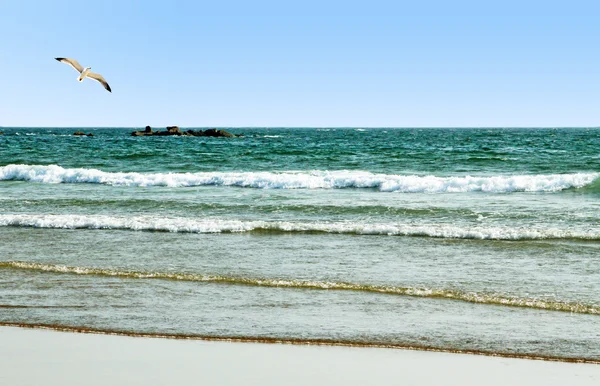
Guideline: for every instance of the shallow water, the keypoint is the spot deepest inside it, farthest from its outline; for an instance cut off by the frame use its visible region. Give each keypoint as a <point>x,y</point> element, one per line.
<point>455,239</point>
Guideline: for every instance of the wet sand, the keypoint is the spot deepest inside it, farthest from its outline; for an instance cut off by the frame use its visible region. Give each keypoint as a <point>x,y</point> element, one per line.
<point>37,356</point>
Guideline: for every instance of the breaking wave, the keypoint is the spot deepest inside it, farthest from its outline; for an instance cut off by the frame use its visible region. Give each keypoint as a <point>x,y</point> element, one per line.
<point>216,225</point>
<point>471,297</point>
<point>53,174</point>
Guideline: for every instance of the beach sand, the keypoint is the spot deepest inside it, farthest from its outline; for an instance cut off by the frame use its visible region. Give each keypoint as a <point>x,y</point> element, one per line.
<point>38,356</point>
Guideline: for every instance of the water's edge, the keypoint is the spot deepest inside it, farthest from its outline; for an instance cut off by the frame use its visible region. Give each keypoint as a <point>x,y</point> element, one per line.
<point>295,341</point>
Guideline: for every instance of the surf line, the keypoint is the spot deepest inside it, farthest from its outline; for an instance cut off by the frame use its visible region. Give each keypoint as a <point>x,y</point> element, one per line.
<point>451,295</point>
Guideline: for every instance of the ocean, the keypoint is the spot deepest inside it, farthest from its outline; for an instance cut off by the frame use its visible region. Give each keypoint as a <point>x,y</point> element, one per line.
<point>482,240</point>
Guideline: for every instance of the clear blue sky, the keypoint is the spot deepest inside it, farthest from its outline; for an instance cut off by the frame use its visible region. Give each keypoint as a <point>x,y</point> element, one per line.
<point>301,63</point>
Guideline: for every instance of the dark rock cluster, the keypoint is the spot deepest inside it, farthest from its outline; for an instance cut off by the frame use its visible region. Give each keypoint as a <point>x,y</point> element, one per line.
<point>82,134</point>
<point>174,130</point>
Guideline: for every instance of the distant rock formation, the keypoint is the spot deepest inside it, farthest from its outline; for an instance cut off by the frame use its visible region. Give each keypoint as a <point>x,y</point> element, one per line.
<point>82,134</point>
<point>174,130</point>
<point>147,131</point>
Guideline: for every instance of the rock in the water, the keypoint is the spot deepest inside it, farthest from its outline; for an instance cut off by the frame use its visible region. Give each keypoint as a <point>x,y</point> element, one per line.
<point>79,133</point>
<point>147,131</point>
<point>217,133</point>
<point>174,130</point>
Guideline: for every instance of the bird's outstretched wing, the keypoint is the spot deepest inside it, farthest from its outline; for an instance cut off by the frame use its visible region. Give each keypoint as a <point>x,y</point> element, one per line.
<point>72,62</point>
<point>100,79</point>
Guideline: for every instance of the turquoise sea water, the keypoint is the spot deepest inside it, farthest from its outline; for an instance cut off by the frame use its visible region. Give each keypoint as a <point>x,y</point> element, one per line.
<point>459,239</point>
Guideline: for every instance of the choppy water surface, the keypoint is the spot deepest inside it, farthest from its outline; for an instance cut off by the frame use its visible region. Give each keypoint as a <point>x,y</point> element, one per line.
<point>483,240</point>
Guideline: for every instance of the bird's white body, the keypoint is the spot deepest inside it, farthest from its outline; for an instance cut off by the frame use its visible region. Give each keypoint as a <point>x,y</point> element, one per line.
<point>84,74</point>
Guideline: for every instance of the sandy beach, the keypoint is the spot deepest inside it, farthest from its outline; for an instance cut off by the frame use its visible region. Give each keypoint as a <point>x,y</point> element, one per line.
<point>35,356</point>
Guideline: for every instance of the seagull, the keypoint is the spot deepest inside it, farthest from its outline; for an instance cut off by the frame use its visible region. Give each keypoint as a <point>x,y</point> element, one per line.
<point>84,72</point>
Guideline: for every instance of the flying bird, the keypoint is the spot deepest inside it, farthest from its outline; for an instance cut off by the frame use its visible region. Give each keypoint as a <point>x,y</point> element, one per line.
<point>84,72</point>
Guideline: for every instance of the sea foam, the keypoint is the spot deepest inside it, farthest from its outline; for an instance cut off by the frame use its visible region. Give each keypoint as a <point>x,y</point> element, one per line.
<point>316,179</point>
<point>216,225</point>
<point>439,293</point>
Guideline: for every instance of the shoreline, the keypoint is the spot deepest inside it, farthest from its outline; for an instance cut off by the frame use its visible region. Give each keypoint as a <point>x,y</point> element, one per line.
<point>41,356</point>
<point>293,342</point>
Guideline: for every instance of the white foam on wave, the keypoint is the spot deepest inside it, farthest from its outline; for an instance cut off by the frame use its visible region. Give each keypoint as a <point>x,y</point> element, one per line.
<point>216,225</point>
<point>315,179</point>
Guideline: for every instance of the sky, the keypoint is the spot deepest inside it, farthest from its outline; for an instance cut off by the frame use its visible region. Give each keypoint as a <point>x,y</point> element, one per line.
<point>301,63</point>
